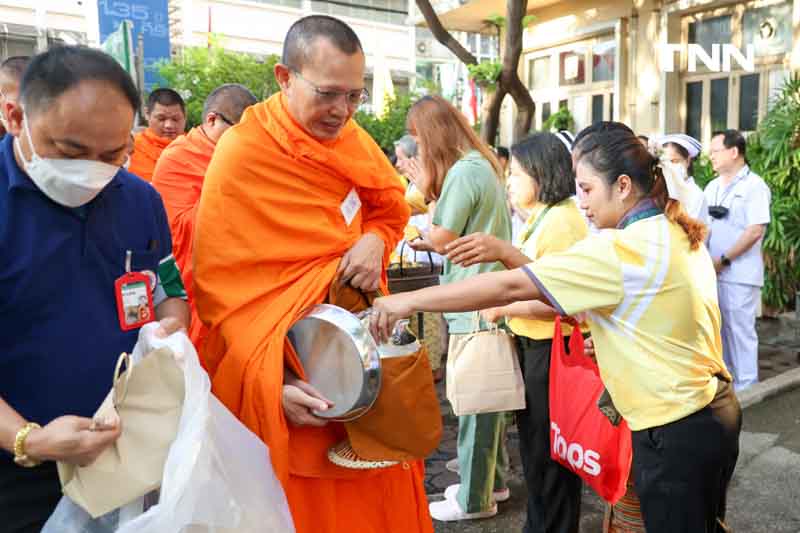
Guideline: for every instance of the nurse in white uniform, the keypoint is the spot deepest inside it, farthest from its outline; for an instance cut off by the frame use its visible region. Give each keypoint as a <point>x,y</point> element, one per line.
<point>739,205</point>
<point>682,149</point>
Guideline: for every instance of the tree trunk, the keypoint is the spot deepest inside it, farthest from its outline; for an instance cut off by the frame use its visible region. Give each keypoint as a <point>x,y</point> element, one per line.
<point>508,83</point>
<point>509,78</point>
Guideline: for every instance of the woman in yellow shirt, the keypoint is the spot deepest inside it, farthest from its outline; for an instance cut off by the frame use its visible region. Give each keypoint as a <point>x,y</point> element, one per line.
<point>649,289</point>
<point>541,182</point>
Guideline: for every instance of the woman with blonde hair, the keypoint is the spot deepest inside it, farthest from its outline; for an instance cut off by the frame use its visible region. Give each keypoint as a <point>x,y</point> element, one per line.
<point>460,175</point>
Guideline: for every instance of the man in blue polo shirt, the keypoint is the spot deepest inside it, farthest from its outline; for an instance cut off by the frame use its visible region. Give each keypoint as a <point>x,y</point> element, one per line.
<point>72,224</point>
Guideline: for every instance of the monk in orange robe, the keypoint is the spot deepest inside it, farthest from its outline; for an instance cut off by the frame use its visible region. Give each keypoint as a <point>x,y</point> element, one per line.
<point>166,119</point>
<point>179,174</point>
<point>296,196</point>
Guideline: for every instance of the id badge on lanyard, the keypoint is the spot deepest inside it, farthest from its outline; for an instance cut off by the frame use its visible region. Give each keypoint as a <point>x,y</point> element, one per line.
<point>134,293</point>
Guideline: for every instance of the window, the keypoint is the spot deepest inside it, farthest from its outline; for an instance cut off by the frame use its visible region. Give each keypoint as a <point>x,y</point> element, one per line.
<point>288,3</point>
<point>710,31</point>
<point>597,108</point>
<point>694,108</point>
<point>472,43</point>
<point>539,73</point>
<point>545,111</point>
<point>603,61</point>
<point>769,29</point>
<point>748,102</point>
<point>573,66</point>
<point>386,11</point>
<point>719,104</point>
<point>563,103</point>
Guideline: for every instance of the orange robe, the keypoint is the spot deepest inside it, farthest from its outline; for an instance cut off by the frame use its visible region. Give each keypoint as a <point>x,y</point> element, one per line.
<point>147,147</point>
<point>270,236</point>
<point>178,177</point>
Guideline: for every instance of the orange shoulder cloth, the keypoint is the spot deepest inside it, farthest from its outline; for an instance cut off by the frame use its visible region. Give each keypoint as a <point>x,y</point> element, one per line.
<point>178,177</point>
<point>147,148</point>
<point>270,235</point>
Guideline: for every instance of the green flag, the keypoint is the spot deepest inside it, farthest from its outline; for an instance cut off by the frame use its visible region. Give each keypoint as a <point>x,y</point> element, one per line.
<point>119,45</point>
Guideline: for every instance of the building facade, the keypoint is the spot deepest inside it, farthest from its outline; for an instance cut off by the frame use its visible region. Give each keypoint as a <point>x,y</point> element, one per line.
<point>606,60</point>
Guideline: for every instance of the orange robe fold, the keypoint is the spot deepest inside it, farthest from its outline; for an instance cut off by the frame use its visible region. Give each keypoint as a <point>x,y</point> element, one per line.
<point>147,147</point>
<point>178,177</point>
<point>270,235</point>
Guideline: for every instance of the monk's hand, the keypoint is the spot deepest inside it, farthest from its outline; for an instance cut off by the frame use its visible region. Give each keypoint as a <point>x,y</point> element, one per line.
<point>361,266</point>
<point>385,313</point>
<point>300,400</point>
<point>476,248</point>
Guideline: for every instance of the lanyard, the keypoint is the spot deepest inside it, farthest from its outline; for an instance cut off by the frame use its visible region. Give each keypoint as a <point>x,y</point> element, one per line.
<point>529,231</point>
<point>645,209</point>
<point>731,187</point>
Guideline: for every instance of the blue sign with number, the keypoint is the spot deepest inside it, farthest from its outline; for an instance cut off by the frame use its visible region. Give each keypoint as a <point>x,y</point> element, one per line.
<point>150,19</point>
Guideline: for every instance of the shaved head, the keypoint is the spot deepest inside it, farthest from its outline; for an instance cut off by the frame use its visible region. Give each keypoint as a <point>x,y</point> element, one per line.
<point>303,33</point>
<point>230,100</point>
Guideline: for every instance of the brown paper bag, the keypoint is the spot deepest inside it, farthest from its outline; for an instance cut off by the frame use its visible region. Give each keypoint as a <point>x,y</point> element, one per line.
<point>148,398</point>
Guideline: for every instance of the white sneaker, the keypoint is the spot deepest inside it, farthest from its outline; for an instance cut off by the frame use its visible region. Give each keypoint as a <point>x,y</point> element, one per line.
<point>449,511</point>
<point>452,465</point>
<point>500,496</point>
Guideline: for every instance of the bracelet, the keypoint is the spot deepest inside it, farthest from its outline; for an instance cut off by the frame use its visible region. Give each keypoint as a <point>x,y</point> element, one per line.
<point>20,457</point>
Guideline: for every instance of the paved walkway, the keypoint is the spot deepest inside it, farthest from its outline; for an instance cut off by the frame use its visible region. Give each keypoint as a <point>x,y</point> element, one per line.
<point>779,352</point>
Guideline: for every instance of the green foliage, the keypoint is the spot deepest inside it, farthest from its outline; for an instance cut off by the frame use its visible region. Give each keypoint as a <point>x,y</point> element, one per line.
<point>702,171</point>
<point>199,70</point>
<point>774,154</point>
<point>387,129</point>
<point>527,20</point>
<point>560,120</point>
<point>498,21</point>
<point>486,73</point>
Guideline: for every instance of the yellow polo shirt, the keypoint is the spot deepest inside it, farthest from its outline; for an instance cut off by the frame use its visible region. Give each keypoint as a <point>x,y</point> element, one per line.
<point>653,313</point>
<point>562,226</point>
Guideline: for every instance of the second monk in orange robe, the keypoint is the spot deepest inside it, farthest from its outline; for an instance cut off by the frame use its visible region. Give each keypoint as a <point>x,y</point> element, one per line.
<point>179,174</point>
<point>296,196</point>
<point>166,119</point>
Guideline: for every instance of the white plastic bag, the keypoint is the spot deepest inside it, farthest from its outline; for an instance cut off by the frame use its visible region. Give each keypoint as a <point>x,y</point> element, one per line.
<point>218,477</point>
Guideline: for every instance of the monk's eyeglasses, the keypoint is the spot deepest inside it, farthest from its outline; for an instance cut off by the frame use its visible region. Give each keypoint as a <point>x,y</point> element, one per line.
<point>224,118</point>
<point>353,98</point>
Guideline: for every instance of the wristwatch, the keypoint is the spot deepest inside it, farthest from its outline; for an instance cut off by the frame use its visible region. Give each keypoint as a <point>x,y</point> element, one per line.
<point>20,457</point>
<point>724,261</point>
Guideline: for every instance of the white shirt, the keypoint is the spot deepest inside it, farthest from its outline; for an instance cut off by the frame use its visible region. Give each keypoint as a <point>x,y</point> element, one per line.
<point>747,199</point>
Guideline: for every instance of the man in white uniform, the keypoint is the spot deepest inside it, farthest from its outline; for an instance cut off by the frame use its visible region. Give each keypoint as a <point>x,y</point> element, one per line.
<point>739,205</point>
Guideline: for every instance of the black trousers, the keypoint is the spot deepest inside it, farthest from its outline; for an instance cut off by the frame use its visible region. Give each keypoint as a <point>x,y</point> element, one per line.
<point>682,469</point>
<point>28,496</point>
<point>554,493</point>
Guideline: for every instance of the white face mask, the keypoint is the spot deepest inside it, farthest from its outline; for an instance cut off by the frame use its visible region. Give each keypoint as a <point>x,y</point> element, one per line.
<point>69,182</point>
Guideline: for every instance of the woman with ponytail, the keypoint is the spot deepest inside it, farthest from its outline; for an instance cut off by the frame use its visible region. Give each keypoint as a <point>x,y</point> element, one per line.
<point>648,287</point>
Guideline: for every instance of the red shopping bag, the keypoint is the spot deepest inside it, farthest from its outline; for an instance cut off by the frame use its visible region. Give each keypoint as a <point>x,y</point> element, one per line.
<point>582,439</point>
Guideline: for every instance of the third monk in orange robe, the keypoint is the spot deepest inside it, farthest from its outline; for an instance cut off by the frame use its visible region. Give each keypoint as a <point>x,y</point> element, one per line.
<point>297,195</point>
<point>166,119</point>
<point>179,174</point>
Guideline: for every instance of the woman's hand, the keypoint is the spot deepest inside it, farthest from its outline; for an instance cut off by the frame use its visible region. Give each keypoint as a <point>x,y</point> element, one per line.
<point>385,313</point>
<point>493,314</point>
<point>300,399</point>
<point>421,244</point>
<point>476,248</point>
<point>411,168</point>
